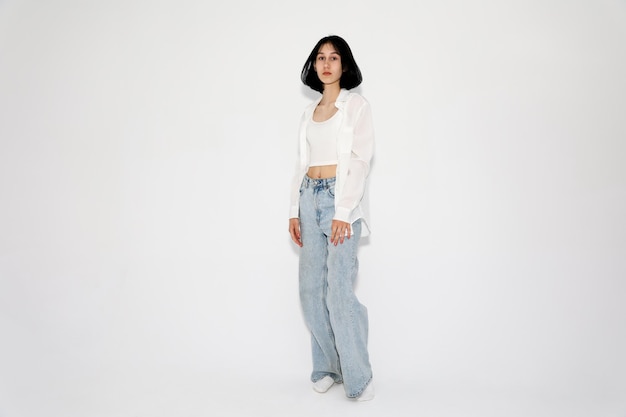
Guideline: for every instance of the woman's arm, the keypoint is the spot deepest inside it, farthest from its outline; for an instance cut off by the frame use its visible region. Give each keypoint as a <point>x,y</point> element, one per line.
<point>359,166</point>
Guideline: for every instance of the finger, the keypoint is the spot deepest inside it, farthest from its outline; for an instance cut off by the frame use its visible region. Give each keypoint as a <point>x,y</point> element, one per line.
<point>295,235</point>
<point>347,233</point>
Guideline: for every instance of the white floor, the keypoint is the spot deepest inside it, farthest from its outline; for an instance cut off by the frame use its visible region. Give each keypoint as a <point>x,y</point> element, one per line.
<point>157,395</point>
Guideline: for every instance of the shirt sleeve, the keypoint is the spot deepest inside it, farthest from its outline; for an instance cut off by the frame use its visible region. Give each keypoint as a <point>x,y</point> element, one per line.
<point>294,206</point>
<point>359,166</point>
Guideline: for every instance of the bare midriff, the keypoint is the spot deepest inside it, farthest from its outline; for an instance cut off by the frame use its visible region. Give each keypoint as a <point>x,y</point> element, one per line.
<point>323,171</point>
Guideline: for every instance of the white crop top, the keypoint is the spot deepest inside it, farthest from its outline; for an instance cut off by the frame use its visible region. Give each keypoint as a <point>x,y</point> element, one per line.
<point>322,140</point>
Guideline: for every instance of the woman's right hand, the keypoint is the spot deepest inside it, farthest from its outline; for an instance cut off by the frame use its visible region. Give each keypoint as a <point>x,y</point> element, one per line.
<point>294,231</point>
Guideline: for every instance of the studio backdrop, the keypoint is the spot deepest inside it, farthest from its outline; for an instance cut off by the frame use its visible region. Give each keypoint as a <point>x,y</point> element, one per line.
<point>146,153</point>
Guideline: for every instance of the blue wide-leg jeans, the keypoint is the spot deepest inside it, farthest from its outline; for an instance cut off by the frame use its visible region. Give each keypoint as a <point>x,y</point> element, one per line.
<point>335,317</point>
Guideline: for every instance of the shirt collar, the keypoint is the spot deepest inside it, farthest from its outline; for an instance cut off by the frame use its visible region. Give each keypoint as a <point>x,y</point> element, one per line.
<point>339,103</point>
<point>342,98</point>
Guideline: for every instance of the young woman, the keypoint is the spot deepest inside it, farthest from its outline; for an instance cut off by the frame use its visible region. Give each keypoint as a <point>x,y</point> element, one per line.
<point>327,217</point>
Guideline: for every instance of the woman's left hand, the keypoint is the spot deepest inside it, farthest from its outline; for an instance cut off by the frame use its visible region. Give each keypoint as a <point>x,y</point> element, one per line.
<point>339,230</point>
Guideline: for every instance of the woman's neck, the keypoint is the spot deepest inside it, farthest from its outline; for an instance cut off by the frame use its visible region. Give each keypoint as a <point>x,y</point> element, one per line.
<point>330,94</point>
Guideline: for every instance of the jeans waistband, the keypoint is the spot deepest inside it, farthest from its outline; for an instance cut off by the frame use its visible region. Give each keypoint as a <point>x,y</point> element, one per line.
<point>318,182</point>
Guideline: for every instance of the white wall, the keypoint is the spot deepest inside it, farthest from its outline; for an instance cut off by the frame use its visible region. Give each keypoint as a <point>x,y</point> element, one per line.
<point>146,151</point>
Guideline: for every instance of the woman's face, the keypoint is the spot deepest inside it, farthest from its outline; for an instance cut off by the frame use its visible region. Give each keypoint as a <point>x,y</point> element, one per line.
<point>328,65</point>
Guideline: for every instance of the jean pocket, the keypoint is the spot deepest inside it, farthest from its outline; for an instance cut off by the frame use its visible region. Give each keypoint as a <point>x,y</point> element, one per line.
<point>331,191</point>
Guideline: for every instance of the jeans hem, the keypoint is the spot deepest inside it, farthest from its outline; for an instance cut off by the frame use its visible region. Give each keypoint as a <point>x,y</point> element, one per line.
<point>337,380</point>
<point>358,393</point>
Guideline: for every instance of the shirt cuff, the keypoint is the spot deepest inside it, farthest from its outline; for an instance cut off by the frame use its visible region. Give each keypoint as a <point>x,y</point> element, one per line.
<point>342,214</point>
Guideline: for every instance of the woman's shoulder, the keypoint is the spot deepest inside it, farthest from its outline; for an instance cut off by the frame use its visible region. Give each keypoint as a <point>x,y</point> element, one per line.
<point>358,98</point>
<point>354,100</point>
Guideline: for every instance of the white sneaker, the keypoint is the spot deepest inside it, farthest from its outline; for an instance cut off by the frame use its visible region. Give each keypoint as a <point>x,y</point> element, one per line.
<point>323,384</point>
<point>368,393</point>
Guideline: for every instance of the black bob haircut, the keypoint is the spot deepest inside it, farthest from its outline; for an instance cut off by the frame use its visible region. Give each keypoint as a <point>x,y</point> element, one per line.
<point>351,76</point>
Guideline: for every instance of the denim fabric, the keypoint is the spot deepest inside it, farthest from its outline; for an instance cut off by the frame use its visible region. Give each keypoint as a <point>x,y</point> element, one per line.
<point>335,317</point>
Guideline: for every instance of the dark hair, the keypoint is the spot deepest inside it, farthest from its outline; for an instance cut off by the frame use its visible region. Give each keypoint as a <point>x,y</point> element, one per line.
<point>351,76</point>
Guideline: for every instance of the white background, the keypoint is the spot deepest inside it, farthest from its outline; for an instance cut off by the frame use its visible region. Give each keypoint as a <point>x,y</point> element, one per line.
<point>146,151</point>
